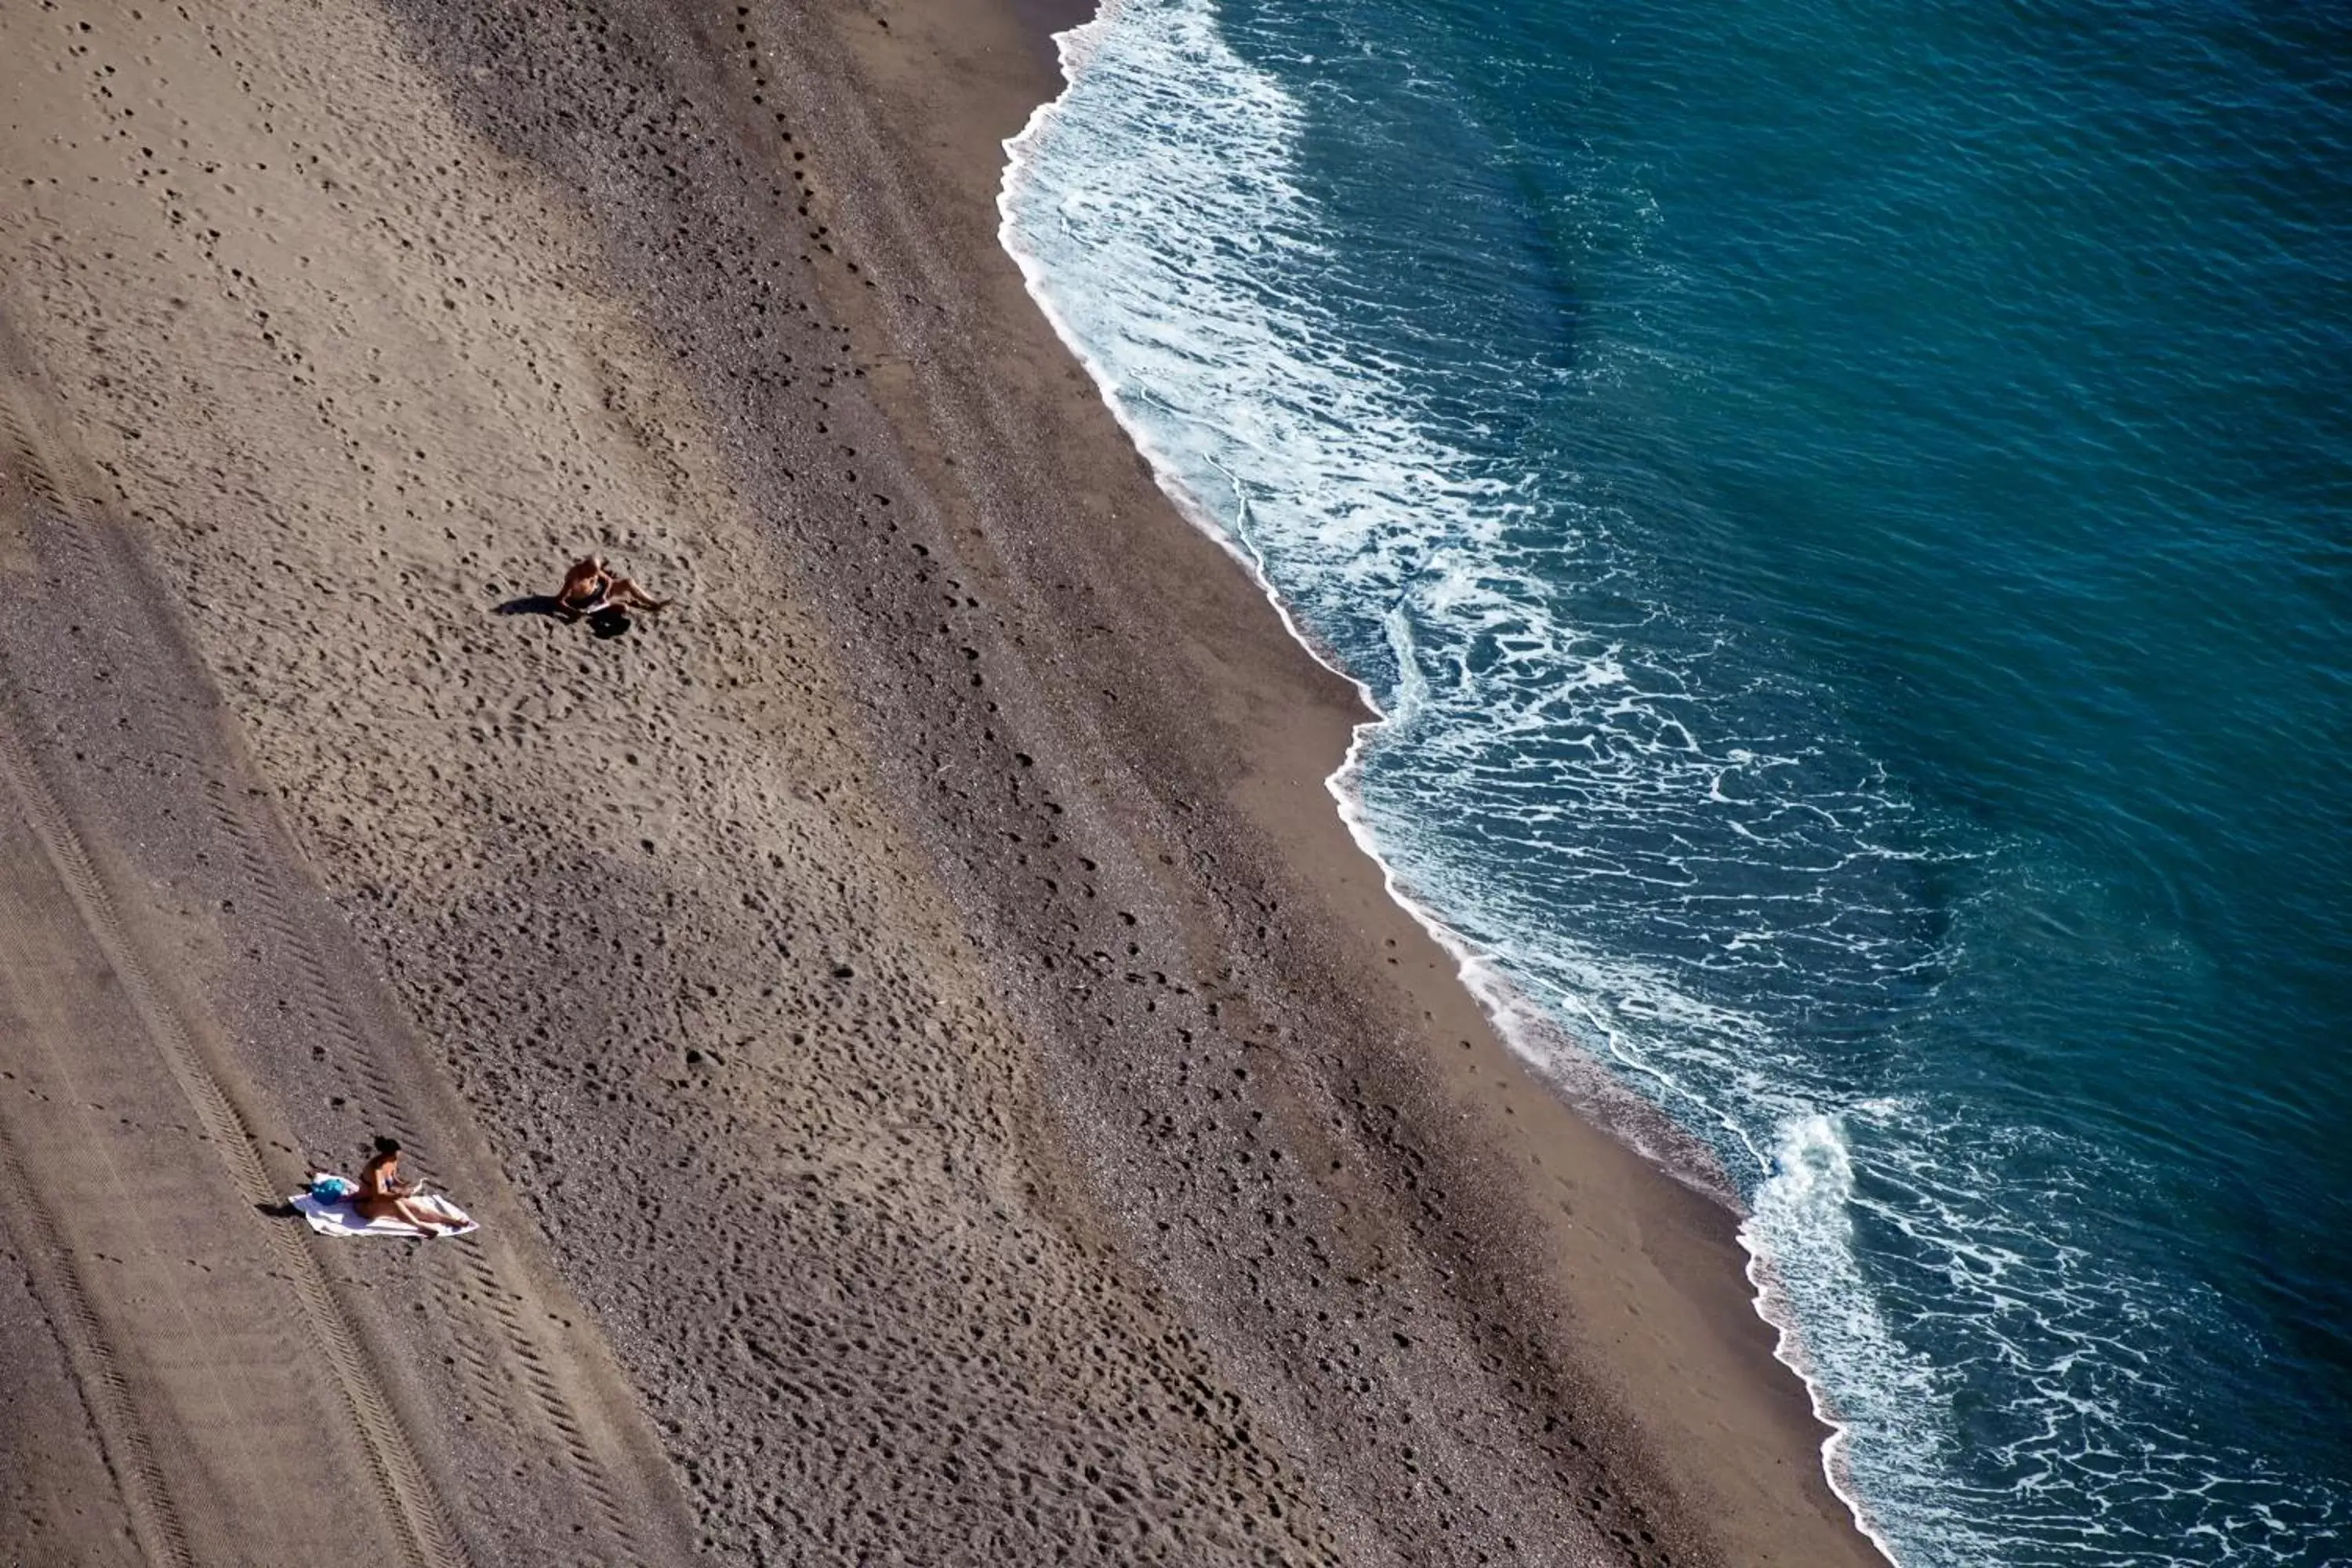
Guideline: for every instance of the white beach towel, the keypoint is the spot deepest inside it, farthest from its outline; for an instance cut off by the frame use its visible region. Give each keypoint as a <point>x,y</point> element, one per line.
<point>340,1218</point>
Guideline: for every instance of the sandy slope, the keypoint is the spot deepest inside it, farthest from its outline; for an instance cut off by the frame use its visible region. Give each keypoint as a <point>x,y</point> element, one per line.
<point>174,995</point>
<point>917,987</point>
<point>184,1027</point>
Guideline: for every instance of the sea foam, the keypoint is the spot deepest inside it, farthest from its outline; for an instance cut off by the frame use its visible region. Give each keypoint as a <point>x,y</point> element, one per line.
<point>1659,866</point>
<point>1098,237</point>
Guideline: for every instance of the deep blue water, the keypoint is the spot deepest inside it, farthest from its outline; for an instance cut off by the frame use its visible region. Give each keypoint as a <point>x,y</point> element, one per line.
<point>1847,513</point>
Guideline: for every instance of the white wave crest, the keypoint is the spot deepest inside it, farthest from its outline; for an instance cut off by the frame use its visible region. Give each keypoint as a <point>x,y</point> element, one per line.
<point>1640,855</point>
<point>1148,263</point>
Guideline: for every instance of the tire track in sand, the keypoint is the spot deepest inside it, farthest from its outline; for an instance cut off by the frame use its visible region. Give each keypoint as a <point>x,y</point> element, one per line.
<point>427,1540</point>
<point>65,1298</point>
<point>522,1370</point>
<point>513,1380</point>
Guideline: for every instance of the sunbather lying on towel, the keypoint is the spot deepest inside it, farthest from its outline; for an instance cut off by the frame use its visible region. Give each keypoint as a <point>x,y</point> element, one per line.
<point>382,1195</point>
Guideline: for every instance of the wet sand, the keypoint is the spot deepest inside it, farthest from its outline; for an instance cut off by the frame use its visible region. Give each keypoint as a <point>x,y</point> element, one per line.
<point>944,1084</point>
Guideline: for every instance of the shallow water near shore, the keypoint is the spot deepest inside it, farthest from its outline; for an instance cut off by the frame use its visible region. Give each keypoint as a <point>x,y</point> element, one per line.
<point>1841,517</point>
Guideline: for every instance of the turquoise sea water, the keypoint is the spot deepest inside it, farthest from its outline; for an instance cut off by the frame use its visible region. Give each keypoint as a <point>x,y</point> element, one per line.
<point>1846,512</point>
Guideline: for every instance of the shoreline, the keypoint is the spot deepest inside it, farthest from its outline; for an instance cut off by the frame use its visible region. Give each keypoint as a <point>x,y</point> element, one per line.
<point>1591,1091</point>
<point>1618,1109</point>
<point>918,994</point>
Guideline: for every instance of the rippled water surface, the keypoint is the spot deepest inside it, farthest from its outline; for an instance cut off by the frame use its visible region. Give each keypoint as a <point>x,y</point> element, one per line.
<point>1845,512</point>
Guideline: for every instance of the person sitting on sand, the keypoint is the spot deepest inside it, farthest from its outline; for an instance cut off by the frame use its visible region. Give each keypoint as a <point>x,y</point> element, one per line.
<point>383,1195</point>
<point>592,586</point>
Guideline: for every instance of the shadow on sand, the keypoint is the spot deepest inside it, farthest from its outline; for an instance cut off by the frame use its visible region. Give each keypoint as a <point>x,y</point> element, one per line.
<point>609,622</point>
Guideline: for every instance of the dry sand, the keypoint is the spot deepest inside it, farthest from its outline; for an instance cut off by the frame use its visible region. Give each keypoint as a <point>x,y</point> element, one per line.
<point>940,1084</point>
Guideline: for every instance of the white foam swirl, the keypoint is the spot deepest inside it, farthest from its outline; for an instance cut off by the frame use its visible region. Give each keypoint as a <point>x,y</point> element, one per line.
<point>1264,391</point>
<point>1652,857</point>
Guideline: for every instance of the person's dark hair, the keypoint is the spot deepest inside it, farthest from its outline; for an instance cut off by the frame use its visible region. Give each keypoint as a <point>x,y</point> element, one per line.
<point>387,1145</point>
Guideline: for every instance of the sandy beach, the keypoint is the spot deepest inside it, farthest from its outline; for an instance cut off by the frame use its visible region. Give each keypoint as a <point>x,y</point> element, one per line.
<point>939,1082</point>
